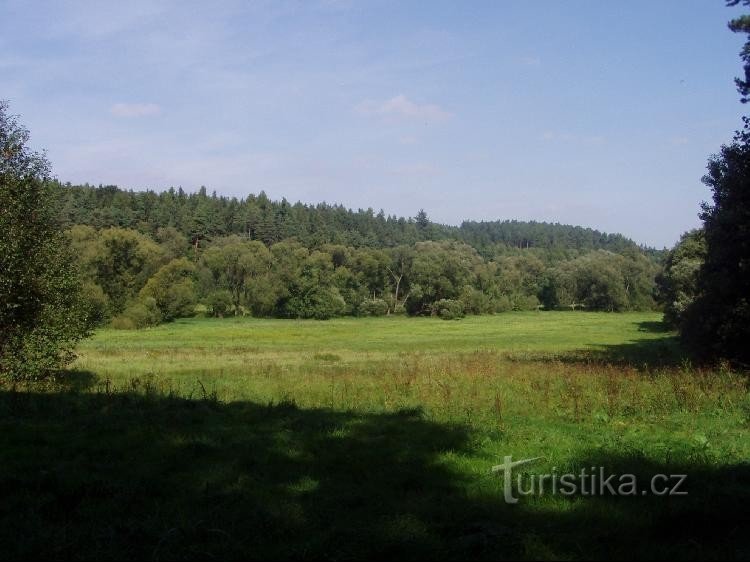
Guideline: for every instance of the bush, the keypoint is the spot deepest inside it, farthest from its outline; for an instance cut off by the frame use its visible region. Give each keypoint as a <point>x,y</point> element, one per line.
<point>141,314</point>
<point>502,304</point>
<point>219,303</point>
<point>96,303</point>
<point>474,301</point>
<point>526,302</point>
<point>373,307</point>
<point>321,303</point>
<point>448,309</point>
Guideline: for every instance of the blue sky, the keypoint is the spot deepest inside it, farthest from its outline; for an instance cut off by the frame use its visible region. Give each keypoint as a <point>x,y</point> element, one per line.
<point>598,113</point>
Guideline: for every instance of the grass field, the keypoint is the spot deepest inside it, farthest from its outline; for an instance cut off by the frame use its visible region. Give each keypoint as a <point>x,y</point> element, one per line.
<point>355,438</point>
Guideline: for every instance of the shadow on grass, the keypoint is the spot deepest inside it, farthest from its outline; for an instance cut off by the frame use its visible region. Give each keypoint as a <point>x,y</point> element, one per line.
<point>656,327</point>
<point>78,380</point>
<point>128,476</point>
<point>644,353</point>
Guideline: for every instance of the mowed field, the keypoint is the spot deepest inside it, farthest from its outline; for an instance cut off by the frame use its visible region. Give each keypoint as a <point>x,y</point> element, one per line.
<point>355,438</point>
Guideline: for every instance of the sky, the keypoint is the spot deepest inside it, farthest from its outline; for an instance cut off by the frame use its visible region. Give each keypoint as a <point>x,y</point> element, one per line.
<point>600,114</point>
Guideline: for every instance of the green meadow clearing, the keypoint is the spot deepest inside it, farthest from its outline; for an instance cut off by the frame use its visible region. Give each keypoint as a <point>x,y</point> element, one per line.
<point>356,438</point>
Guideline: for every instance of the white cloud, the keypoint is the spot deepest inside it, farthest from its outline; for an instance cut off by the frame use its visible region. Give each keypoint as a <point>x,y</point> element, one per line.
<point>403,107</point>
<point>135,109</point>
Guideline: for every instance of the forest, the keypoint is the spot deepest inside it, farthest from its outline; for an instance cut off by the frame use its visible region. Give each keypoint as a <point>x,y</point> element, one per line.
<point>148,257</point>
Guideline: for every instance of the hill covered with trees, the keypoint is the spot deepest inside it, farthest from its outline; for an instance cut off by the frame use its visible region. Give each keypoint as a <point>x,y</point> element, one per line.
<point>201,217</point>
<point>148,257</point>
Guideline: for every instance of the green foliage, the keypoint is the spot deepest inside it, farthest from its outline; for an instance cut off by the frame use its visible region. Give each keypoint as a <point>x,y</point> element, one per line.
<point>140,314</point>
<point>173,289</point>
<point>741,24</point>
<point>121,262</point>
<point>220,303</point>
<point>716,325</point>
<point>439,270</point>
<point>42,312</point>
<point>173,243</point>
<point>601,281</point>
<point>241,267</point>
<point>290,280</point>
<point>677,284</point>
<point>96,303</point>
<point>200,218</point>
<point>280,260</point>
<point>373,307</point>
<point>448,309</point>
<point>320,303</point>
<point>475,301</point>
<point>600,286</point>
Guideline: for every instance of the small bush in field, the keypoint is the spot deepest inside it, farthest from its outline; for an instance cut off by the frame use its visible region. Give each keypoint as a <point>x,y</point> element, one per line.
<point>141,314</point>
<point>373,307</point>
<point>448,309</point>
<point>219,303</point>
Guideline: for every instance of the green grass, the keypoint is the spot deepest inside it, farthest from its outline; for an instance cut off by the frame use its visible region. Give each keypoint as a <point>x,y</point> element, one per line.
<point>355,438</point>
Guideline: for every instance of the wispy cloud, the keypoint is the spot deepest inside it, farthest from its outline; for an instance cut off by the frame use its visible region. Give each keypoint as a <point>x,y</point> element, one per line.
<point>135,109</point>
<point>402,107</point>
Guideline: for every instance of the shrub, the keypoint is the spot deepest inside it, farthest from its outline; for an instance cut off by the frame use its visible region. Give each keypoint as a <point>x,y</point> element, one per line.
<point>220,303</point>
<point>448,309</point>
<point>373,307</point>
<point>96,303</point>
<point>474,300</point>
<point>321,303</point>
<point>526,302</point>
<point>502,304</point>
<point>141,314</point>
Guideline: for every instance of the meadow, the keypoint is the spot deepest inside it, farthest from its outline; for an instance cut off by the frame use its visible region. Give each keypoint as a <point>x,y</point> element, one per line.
<point>355,438</point>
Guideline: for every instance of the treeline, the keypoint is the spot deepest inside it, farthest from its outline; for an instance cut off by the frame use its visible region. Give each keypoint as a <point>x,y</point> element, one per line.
<point>201,217</point>
<point>136,280</point>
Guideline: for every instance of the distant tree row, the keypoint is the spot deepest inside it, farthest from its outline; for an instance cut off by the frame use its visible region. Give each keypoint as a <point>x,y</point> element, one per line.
<point>201,217</point>
<point>137,280</point>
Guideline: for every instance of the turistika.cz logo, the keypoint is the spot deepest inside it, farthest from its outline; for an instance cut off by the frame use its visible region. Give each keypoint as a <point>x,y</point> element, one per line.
<point>590,481</point>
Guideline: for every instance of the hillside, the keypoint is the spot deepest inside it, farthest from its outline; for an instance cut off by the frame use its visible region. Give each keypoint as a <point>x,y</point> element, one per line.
<point>200,216</point>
